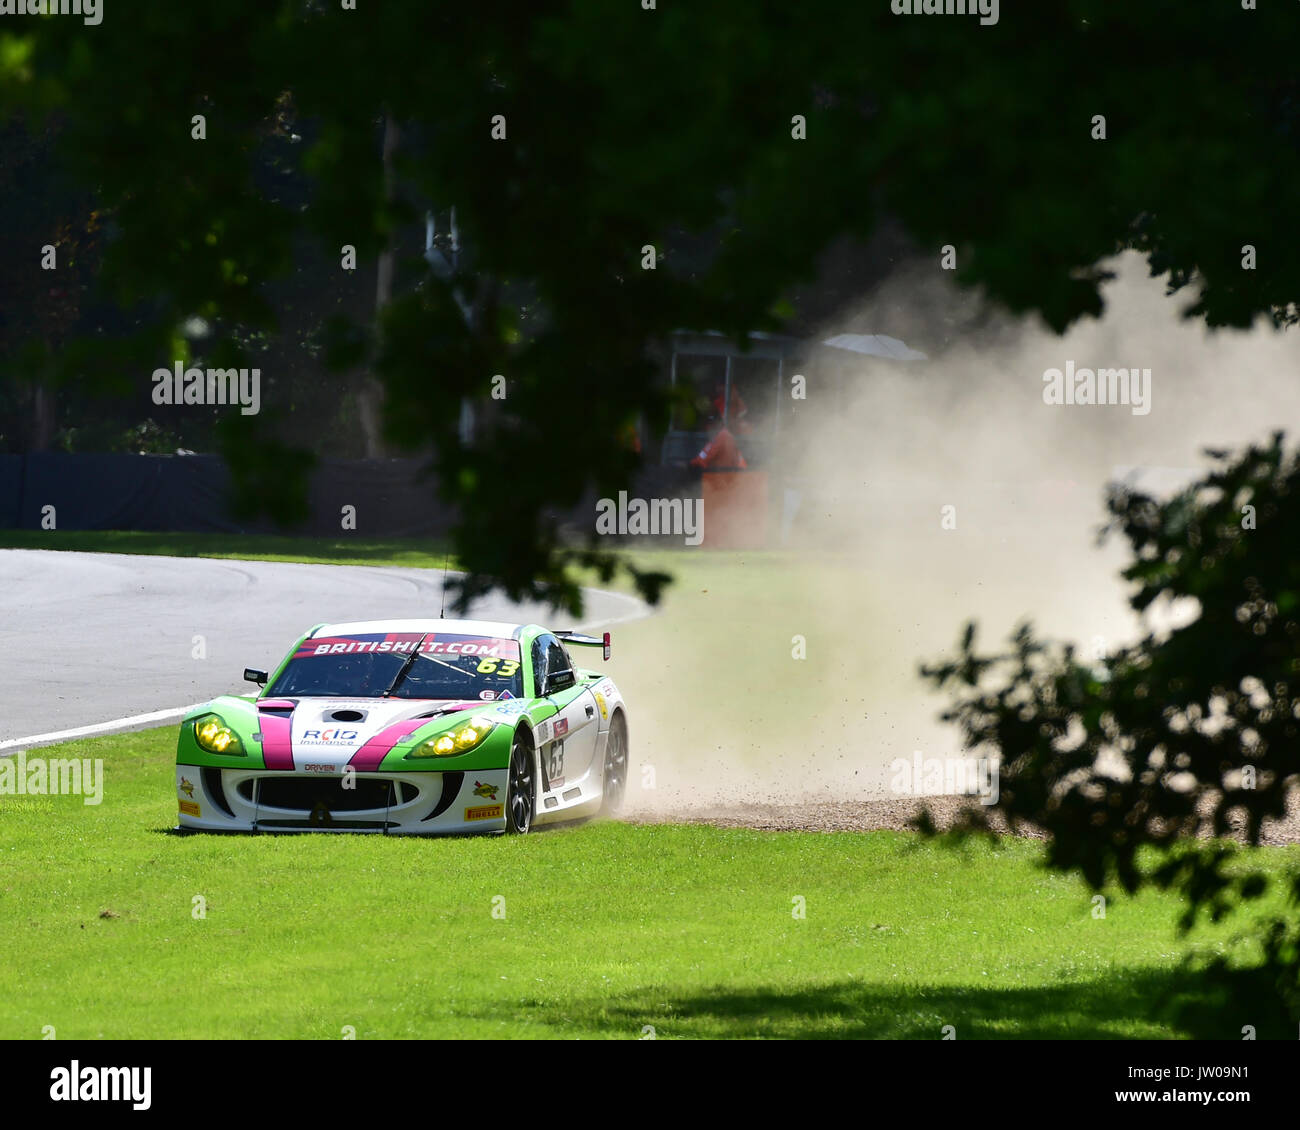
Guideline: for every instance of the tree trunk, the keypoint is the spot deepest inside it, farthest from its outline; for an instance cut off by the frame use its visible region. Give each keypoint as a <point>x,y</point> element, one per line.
<point>42,430</point>
<point>370,399</point>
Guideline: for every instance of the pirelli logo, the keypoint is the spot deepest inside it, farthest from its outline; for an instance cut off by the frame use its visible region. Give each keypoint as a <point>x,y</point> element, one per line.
<point>189,807</point>
<point>484,812</point>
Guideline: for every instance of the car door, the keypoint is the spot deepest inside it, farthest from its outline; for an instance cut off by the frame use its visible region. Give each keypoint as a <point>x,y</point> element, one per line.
<point>568,740</point>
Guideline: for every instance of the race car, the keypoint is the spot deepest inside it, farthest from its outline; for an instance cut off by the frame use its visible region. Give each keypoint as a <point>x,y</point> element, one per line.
<point>409,727</point>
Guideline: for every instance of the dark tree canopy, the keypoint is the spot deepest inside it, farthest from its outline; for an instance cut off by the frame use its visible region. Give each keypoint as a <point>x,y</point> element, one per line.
<point>673,127</point>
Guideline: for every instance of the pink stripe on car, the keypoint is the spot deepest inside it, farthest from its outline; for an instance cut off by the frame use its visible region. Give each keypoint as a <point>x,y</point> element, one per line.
<point>277,734</point>
<point>369,756</point>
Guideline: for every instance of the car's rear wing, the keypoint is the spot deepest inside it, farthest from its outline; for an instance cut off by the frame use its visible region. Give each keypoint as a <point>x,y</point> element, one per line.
<point>585,641</point>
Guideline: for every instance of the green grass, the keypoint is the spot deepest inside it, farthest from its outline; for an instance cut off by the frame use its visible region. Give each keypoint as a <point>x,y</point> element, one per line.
<point>608,928</point>
<point>345,549</point>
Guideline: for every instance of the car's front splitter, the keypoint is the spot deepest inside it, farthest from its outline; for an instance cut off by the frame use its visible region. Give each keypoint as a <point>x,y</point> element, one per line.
<point>258,800</point>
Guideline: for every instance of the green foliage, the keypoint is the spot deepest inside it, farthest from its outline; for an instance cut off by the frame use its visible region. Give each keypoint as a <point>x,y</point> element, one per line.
<point>1193,729</point>
<point>670,127</point>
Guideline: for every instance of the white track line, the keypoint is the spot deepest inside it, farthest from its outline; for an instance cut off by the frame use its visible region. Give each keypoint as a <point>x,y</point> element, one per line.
<point>640,610</point>
<point>97,728</point>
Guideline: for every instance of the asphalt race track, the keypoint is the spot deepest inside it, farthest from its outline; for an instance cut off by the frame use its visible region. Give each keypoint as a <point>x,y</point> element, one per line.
<point>99,639</point>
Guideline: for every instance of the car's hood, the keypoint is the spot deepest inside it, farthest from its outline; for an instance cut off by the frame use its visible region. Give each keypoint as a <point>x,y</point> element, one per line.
<point>325,734</point>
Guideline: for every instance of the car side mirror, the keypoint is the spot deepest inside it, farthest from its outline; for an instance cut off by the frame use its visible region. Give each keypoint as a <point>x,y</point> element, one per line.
<point>558,681</point>
<point>253,675</point>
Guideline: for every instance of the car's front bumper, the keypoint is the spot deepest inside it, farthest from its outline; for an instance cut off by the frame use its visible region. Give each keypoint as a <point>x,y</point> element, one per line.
<point>258,800</point>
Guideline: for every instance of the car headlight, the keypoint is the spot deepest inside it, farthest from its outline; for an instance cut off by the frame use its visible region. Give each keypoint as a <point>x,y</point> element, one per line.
<point>460,740</point>
<point>212,734</point>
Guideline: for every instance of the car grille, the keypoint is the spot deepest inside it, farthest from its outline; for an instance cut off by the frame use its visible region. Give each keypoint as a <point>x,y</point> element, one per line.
<point>308,794</point>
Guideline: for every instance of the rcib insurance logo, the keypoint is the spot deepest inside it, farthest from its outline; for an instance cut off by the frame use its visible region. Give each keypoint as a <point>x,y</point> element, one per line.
<point>331,736</point>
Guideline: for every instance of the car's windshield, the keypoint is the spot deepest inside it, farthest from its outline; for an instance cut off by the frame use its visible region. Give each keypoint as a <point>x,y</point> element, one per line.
<point>366,666</point>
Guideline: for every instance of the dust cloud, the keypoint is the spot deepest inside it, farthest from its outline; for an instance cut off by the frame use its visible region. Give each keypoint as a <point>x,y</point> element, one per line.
<point>723,710</point>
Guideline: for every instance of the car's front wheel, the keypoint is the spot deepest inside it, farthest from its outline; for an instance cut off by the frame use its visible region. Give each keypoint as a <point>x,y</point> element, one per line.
<point>520,787</point>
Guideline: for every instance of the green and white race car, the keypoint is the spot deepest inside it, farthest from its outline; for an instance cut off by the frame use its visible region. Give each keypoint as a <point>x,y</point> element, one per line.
<point>411,727</point>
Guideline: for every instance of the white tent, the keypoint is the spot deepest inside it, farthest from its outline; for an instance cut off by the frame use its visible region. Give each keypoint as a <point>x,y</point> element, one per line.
<point>875,345</point>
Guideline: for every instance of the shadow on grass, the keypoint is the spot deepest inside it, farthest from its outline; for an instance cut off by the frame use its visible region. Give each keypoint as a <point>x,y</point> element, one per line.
<point>1134,1004</point>
<point>177,832</point>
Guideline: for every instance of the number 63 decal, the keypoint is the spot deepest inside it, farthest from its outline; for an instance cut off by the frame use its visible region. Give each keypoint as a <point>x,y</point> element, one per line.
<point>555,761</point>
<point>501,667</point>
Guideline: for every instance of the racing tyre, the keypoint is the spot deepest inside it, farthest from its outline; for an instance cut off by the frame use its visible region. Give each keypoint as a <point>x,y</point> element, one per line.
<point>520,787</point>
<point>614,784</point>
